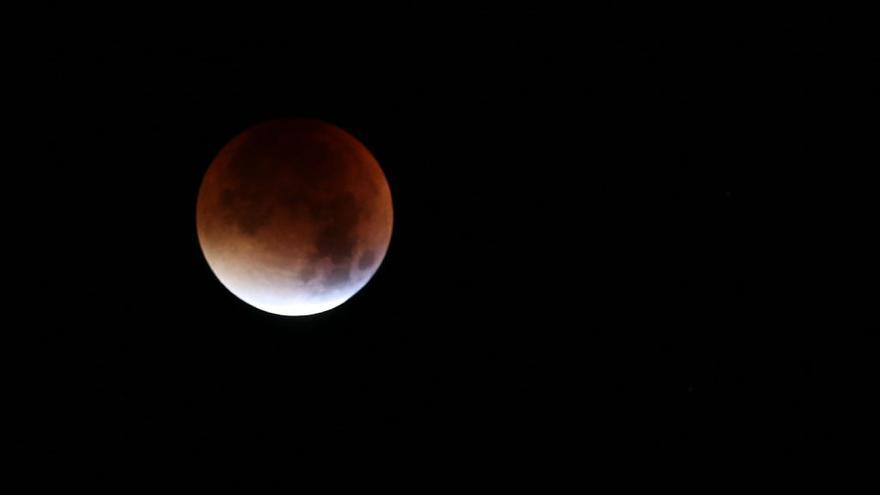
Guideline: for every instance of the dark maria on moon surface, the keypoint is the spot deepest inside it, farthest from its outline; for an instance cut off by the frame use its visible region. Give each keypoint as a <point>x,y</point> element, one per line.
<point>294,216</point>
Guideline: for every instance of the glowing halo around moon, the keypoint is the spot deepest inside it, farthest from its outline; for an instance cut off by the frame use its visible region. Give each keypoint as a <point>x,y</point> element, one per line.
<point>294,216</point>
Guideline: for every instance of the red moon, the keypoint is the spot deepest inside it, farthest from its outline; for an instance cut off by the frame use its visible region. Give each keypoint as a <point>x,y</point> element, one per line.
<point>294,216</point>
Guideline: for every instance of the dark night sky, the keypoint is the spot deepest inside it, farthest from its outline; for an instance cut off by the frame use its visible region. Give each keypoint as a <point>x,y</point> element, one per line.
<point>598,253</point>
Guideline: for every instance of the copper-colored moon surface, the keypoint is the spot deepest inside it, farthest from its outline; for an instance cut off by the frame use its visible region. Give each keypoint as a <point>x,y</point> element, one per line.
<point>294,216</point>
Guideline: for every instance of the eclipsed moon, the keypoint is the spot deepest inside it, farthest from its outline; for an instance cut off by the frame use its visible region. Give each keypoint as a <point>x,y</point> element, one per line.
<point>294,216</point>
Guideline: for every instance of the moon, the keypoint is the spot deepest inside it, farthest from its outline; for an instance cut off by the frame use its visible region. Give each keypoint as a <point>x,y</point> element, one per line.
<point>294,216</point>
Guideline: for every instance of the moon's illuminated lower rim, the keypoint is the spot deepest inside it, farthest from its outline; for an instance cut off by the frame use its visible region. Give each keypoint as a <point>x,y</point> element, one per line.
<point>283,292</point>
<point>285,305</point>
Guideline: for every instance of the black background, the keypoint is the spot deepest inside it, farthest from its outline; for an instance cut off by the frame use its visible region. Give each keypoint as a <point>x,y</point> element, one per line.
<point>604,250</point>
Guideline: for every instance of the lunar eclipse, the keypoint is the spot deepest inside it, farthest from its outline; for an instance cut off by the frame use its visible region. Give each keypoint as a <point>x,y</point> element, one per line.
<point>294,216</point>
